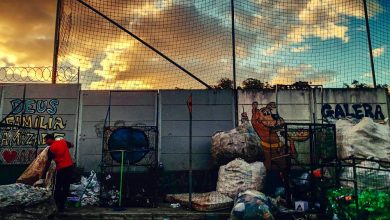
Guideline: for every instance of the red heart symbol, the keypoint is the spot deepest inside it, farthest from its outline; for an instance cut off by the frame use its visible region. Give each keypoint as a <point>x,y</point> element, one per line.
<point>9,156</point>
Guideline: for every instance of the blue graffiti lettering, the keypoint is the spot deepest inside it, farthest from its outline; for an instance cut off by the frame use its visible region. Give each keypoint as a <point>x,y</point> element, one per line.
<point>32,106</point>
<point>358,111</point>
<point>339,112</point>
<point>41,106</point>
<point>29,106</point>
<point>378,112</point>
<point>17,106</point>
<point>53,103</point>
<point>327,111</point>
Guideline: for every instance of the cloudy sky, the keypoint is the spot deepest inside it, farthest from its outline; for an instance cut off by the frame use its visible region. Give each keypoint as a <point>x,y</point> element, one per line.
<point>26,32</point>
<point>277,41</point>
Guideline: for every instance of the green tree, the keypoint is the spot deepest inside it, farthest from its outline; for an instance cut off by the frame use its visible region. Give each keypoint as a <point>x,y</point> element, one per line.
<point>252,83</point>
<point>356,85</point>
<point>346,85</point>
<point>224,83</point>
<point>268,86</point>
<point>384,86</point>
<point>301,85</point>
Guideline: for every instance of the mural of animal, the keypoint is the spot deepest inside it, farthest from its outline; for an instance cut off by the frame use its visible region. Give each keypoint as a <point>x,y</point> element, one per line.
<point>266,122</point>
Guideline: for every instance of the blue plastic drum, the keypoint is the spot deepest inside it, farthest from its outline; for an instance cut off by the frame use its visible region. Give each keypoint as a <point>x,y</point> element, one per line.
<point>133,141</point>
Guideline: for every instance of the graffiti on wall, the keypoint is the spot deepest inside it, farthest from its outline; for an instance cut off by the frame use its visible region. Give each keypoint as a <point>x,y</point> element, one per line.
<point>357,111</point>
<point>28,124</point>
<point>19,156</point>
<point>265,121</point>
<point>99,126</point>
<point>269,126</point>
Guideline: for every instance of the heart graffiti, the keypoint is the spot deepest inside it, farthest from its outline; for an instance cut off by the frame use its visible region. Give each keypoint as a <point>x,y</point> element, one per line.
<point>9,156</point>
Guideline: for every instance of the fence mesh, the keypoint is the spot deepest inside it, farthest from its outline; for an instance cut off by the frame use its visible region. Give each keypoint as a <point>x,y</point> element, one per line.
<point>369,174</point>
<point>380,35</point>
<point>276,41</point>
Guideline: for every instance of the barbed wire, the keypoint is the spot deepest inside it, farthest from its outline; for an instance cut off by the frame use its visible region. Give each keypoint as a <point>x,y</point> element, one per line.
<point>14,74</point>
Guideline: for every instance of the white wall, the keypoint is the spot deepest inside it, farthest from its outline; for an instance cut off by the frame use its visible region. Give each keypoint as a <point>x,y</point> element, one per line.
<point>300,105</point>
<point>52,108</point>
<point>213,110</point>
<point>127,108</point>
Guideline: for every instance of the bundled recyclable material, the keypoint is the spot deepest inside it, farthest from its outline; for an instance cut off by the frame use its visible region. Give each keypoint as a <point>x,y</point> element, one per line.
<point>365,139</point>
<point>369,175</point>
<point>20,201</point>
<point>209,201</point>
<point>252,204</point>
<point>238,176</point>
<point>35,170</point>
<point>241,142</point>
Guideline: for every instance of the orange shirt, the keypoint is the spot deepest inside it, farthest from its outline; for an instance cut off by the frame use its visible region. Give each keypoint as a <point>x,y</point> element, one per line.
<point>61,154</point>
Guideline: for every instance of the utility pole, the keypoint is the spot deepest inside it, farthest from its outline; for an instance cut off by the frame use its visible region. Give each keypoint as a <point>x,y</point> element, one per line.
<point>369,43</point>
<point>56,42</point>
<point>189,105</point>
<point>234,66</point>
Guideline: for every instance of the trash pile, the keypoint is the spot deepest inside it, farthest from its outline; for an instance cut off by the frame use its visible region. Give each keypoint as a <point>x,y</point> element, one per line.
<point>109,193</point>
<point>257,190</point>
<point>364,149</point>
<point>110,197</point>
<point>364,139</point>
<point>233,178</point>
<point>88,190</point>
<point>252,204</point>
<point>241,177</point>
<point>369,141</point>
<point>21,201</point>
<point>369,174</point>
<point>373,204</point>
<point>31,197</point>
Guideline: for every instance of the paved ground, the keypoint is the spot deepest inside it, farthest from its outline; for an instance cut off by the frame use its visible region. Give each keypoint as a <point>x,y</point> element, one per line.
<point>164,212</point>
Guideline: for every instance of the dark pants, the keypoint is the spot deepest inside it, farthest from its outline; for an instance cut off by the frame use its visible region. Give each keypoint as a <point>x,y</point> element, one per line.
<point>61,187</point>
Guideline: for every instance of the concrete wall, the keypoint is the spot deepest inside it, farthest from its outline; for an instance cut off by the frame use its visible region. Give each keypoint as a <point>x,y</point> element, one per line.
<point>212,111</point>
<point>127,108</point>
<point>307,106</point>
<point>317,105</point>
<point>53,108</point>
<point>354,103</point>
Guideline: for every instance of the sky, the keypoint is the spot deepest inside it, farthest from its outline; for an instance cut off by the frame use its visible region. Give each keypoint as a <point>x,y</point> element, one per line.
<point>277,41</point>
<point>27,32</point>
